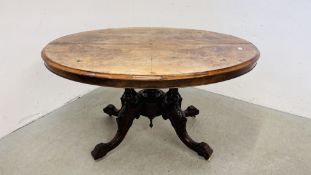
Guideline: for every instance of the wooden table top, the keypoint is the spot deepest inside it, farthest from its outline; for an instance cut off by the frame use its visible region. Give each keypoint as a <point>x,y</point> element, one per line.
<point>149,57</point>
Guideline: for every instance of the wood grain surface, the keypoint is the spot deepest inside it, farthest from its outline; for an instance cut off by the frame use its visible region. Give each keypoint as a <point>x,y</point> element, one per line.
<point>149,57</point>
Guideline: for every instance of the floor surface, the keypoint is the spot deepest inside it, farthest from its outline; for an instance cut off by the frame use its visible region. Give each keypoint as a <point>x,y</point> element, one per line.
<point>246,138</point>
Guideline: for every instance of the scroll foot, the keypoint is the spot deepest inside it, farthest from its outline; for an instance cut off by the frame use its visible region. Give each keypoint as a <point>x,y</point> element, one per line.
<point>191,111</point>
<point>111,110</point>
<point>204,150</point>
<point>100,151</point>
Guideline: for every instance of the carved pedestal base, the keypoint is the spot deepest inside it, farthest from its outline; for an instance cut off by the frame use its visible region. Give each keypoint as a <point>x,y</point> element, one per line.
<point>151,103</point>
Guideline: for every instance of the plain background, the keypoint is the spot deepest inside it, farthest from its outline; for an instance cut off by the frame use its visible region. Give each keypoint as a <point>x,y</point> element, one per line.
<point>279,28</point>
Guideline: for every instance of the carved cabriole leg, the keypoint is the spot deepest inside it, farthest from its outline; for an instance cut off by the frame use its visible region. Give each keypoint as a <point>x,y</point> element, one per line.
<point>129,111</point>
<point>172,111</point>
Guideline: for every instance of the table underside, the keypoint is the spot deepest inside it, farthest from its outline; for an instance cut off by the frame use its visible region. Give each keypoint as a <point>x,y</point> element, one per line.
<point>151,103</point>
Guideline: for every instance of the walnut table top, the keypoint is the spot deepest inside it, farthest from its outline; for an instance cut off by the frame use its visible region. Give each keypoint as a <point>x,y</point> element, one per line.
<point>149,57</point>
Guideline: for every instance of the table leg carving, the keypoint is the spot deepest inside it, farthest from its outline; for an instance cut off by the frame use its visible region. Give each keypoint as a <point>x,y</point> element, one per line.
<point>151,103</point>
<point>128,112</point>
<point>173,112</point>
<point>191,111</point>
<point>111,110</point>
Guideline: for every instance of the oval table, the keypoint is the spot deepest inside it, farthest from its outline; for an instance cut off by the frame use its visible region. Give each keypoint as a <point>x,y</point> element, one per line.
<point>150,59</point>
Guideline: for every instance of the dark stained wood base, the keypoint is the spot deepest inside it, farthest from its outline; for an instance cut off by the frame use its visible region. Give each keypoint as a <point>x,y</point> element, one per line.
<point>151,103</point>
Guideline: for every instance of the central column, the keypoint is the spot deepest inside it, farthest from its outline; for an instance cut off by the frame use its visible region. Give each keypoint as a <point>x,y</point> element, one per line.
<point>151,103</point>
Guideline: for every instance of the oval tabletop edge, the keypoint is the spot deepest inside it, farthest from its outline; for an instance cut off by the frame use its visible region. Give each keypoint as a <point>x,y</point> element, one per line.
<point>149,57</point>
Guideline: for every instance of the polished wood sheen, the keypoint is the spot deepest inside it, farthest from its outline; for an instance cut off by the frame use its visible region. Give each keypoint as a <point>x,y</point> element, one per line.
<point>149,57</point>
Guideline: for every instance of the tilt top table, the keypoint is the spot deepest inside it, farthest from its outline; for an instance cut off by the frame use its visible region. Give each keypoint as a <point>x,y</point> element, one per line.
<point>150,59</point>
